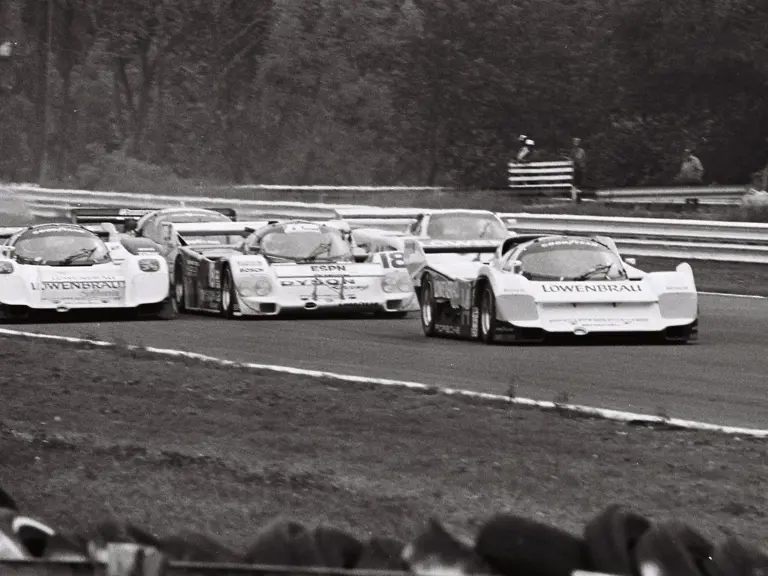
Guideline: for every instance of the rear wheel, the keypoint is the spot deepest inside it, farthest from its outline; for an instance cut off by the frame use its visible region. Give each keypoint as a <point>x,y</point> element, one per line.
<point>427,309</point>
<point>178,287</point>
<point>488,320</point>
<point>228,296</point>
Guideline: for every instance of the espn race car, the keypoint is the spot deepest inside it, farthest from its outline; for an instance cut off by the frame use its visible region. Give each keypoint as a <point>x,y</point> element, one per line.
<point>267,268</point>
<point>65,267</point>
<point>536,285</point>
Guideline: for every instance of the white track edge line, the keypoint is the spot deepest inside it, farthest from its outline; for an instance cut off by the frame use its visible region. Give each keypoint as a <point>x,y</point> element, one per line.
<point>754,297</point>
<point>604,413</point>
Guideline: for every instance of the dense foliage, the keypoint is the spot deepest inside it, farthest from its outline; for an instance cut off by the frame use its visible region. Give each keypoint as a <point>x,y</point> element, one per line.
<point>380,91</point>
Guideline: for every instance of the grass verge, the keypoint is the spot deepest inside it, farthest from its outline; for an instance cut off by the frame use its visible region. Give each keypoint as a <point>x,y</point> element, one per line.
<point>712,276</point>
<point>90,432</point>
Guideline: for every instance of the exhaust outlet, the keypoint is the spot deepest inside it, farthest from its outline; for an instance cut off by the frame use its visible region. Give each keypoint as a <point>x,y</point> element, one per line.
<point>310,305</point>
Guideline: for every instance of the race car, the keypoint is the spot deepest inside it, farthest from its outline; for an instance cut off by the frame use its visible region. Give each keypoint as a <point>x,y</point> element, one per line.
<point>537,285</point>
<point>141,228</point>
<point>268,268</point>
<point>66,267</point>
<point>435,228</point>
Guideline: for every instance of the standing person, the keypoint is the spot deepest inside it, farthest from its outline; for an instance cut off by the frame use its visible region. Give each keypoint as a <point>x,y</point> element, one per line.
<point>579,158</point>
<point>691,169</point>
<point>525,154</point>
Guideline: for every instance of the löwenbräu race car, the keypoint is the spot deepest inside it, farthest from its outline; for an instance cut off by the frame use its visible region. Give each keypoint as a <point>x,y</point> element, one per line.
<point>283,267</point>
<point>66,267</point>
<point>537,285</point>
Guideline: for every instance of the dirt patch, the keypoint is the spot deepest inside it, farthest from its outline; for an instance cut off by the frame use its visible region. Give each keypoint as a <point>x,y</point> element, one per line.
<point>87,432</point>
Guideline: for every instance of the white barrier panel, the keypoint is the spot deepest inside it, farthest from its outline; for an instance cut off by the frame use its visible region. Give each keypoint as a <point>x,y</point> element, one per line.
<point>557,174</point>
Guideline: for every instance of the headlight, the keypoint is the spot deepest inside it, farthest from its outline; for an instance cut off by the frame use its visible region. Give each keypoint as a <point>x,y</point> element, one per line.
<point>256,287</point>
<point>6,267</point>
<point>262,286</point>
<point>147,265</point>
<point>389,283</point>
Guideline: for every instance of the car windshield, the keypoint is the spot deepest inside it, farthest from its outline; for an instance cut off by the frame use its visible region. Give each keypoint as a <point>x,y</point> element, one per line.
<point>570,259</point>
<point>60,246</point>
<point>465,226</point>
<point>304,242</point>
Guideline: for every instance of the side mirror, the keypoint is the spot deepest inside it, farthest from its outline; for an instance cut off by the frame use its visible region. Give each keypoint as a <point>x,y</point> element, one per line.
<point>7,251</point>
<point>360,254</point>
<point>631,261</point>
<point>516,267</point>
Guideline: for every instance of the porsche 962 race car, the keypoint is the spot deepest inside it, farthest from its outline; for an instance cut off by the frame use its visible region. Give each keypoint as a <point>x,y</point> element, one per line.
<point>537,285</point>
<point>65,267</point>
<point>267,268</point>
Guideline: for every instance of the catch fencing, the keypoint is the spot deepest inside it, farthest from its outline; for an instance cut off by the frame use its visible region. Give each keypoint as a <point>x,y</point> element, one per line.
<point>537,176</point>
<point>689,239</point>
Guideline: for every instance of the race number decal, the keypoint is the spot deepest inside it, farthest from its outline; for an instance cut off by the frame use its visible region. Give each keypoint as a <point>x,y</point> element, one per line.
<point>393,260</point>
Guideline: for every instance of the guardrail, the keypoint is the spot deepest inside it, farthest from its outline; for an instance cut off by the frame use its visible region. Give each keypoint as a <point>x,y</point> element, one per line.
<point>675,194</point>
<point>693,239</point>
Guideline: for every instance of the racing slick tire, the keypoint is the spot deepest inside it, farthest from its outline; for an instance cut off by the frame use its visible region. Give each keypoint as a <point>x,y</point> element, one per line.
<point>228,294</point>
<point>168,310</point>
<point>427,309</point>
<point>12,314</point>
<point>488,322</point>
<point>179,292</point>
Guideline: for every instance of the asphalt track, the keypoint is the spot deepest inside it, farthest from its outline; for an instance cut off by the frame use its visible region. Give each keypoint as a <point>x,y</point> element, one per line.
<point>721,379</point>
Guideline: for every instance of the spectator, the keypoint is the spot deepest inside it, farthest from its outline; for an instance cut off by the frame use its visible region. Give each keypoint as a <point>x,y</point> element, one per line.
<point>579,158</point>
<point>691,169</point>
<point>525,154</point>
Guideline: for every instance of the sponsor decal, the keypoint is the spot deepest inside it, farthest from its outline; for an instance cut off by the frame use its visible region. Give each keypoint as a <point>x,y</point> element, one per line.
<point>457,243</point>
<point>192,267</point>
<point>321,282</point>
<point>475,324</point>
<point>550,243</point>
<point>301,227</point>
<point>355,304</point>
<point>69,229</point>
<point>598,288</point>
<point>74,289</point>
<point>214,277</point>
<point>446,289</point>
<point>250,269</point>
<point>80,285</point>
<point>447,329</point>
<point>329,268</point>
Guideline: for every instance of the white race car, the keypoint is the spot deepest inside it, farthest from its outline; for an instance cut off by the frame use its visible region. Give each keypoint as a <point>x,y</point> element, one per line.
<point>445,229</point>
<point>268,268</point>
<point>65,267</point>
<point>537,285</point>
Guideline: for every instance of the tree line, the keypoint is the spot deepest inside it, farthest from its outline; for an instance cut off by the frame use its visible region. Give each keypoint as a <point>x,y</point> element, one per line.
<point>383,92</point>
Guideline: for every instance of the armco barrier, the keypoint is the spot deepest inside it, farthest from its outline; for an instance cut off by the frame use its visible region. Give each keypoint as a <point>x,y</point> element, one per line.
<point>694,239</point>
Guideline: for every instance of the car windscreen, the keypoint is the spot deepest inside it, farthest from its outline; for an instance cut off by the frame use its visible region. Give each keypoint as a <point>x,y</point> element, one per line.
<point>465,227</point>
<point>60,246</point>
<point>304,242</point>
<point>570,259</point>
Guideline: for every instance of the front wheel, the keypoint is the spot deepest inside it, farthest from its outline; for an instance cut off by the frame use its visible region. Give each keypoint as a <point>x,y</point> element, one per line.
<point>168,309</point>
<point>228,296</point>
<point>488,320</point>
<point>427,309</point>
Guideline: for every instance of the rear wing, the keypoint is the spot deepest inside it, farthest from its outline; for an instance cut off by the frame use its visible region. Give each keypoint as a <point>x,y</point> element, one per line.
<point>121,215</point>
<point>173,233</point>
<point>108,214</point>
